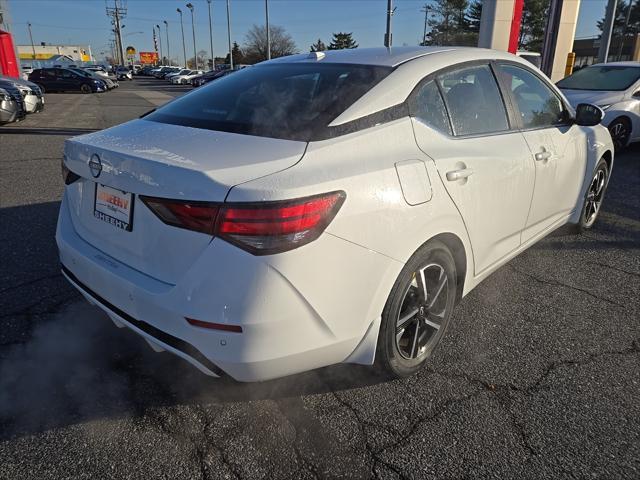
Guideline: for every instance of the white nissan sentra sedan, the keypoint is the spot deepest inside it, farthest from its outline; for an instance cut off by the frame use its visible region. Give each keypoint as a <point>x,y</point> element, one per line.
<point>325,207</point>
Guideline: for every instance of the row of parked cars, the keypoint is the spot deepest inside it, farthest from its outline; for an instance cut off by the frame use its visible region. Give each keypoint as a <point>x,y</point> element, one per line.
<point>184,76</point>
<point>18,98</point>
<point>82,79</point>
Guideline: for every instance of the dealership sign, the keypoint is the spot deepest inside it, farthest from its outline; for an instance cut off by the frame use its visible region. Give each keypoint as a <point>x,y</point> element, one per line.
<point>149,58</point>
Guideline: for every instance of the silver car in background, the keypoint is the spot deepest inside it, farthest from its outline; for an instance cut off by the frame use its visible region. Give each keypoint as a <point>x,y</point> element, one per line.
<point>31,93</point>
<point>614,87</point>
<point>8,107</point>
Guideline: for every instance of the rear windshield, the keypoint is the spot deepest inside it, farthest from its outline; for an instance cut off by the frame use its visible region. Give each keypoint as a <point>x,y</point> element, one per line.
<point>290,101</point>
<point>602,78</point>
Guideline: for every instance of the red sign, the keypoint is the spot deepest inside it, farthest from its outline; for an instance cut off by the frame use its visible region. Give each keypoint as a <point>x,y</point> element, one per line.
<point>8,63</point>
<point>148,58</point>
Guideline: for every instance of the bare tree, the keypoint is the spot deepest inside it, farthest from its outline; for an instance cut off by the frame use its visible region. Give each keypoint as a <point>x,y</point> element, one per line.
<point>255,45</point>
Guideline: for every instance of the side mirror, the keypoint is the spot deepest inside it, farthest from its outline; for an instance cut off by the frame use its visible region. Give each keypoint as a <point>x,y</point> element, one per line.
<point>588,115</point>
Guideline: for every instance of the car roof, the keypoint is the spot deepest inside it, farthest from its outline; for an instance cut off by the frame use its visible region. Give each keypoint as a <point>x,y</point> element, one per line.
<point>379,56</point>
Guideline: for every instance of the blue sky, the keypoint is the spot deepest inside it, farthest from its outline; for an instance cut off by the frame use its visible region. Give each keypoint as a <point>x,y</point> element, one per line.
<point>81,22</point>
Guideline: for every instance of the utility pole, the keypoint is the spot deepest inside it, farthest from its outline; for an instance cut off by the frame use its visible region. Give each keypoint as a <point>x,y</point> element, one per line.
<point>388,35</point>
<point>184,48</point>
<point>33,48</point>
<point>160,43</point>
<point>266,11</point>
<point>166,27</point>
<point>213,59</point>
<point>117,12</point>
<point>551,36</point>
<point>607,30</point>
<point>624,29</point>
<point>229,34</point>
<point>425,9</point>
<point>193,28</point>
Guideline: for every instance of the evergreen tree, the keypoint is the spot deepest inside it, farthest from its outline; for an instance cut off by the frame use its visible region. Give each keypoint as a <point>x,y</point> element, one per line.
<point>473,16</point>
<point>450,25</point>
<point>238,56</point>
<point>319,46</point>
<point>533,25</point>
<point>341,41</point>
<point>620,33</point>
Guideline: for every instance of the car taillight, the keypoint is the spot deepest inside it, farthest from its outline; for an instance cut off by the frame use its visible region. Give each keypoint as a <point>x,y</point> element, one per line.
<point>67,175</point>
<point>259,228</point>
<point>197,216</point>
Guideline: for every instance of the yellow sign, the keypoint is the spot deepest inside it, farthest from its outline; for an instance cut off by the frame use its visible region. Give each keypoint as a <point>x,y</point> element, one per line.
<point>131,51</point>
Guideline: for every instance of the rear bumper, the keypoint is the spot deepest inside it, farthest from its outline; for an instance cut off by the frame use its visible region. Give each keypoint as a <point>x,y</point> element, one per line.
<point>298,311</point>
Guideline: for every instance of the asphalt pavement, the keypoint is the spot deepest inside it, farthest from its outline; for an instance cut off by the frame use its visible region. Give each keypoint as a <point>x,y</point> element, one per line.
<point>538,376</point>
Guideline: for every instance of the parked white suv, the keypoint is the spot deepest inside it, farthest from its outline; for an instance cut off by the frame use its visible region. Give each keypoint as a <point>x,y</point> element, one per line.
<point>326,207</point>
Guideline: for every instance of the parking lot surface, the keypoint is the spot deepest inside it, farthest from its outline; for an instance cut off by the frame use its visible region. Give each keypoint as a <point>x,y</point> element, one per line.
<point>538,376</point>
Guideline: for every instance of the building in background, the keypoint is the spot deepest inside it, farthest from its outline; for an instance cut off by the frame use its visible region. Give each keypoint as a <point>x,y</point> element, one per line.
<point>586,50</point>
<point>76,53</point>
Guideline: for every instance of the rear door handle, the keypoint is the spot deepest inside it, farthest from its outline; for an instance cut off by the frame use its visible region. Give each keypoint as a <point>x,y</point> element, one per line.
<point>543,155</point>
<point>459,174</point>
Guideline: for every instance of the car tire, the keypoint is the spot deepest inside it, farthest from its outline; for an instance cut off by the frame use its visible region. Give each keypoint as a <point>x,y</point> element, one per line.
<point>84,88</point>
<point>593,198</point>
<point>620,130</point>
<point>414,322</point>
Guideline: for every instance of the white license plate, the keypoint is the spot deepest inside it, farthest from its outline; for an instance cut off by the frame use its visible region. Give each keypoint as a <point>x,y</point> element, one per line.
<point>113,206</point>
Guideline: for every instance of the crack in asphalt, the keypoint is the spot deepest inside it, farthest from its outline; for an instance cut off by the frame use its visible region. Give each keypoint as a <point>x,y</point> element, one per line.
<point>617,269</point>
<point>30,282</point>
<point>566,285</point>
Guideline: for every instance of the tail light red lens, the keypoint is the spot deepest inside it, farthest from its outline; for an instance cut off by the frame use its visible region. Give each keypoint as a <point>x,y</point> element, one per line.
<point>259,228</point>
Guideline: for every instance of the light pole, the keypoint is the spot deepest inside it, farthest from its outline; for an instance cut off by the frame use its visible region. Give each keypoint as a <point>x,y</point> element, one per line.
<point>166,27</point>
<point>213,59</point>
<point>193,28</point>
<point>33,48</point>
<point>266,11</point>
<point>160,44</point>
<point>229,34</point>
<point>184,49</point>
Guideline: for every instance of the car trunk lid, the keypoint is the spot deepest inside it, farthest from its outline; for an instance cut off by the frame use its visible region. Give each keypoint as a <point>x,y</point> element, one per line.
<point>167,161</point>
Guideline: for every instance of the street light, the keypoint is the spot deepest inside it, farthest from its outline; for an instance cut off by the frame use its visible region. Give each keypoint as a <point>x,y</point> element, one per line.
<point>184,49</point>
<point>31,37</point>
<point>160,44</point>
<point>213,61</point>
<point>229,35</point>
<point>193,28</point>
<point>166,26</point>
<point>266,11</point>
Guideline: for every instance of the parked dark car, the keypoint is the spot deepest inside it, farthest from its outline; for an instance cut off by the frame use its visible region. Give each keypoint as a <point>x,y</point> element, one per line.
<point>15,93</point>
<point>8,107</point>
<point>209,77</point>
<point>63,79</point>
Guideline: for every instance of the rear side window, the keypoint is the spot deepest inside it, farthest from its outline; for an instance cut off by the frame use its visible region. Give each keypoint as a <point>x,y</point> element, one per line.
<point>539,107</point>
<point>292,101</point>
<point>428,106</point>
<point>474,101</point>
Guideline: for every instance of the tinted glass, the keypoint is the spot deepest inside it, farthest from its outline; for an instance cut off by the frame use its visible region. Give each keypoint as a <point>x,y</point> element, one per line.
<point>291,101</point>
<point>538,105</point>
<point>605,78</point>
<point>429,107</point>
<point>474,101</point>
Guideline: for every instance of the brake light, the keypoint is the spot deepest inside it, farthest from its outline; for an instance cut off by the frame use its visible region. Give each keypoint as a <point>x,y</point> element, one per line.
<point>67,175</point>
<point>259,228</point>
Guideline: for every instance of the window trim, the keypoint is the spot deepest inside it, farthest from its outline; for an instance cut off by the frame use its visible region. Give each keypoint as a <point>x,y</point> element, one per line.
<point>567,110</point>
<point>512,119</point>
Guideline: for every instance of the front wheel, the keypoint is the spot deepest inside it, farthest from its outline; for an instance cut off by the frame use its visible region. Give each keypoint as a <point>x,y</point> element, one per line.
<point>84,88</point>
<point>417,311</point>
<point>620,130</point>
<point>594,197</point>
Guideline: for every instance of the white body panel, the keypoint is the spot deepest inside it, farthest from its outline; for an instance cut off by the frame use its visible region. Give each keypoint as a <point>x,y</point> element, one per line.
<point>321,303</point>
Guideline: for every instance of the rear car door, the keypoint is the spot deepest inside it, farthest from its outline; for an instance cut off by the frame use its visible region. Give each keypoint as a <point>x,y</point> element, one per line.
<point>462,122</point>
<point>557,145</point>
<point>68,80</point>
